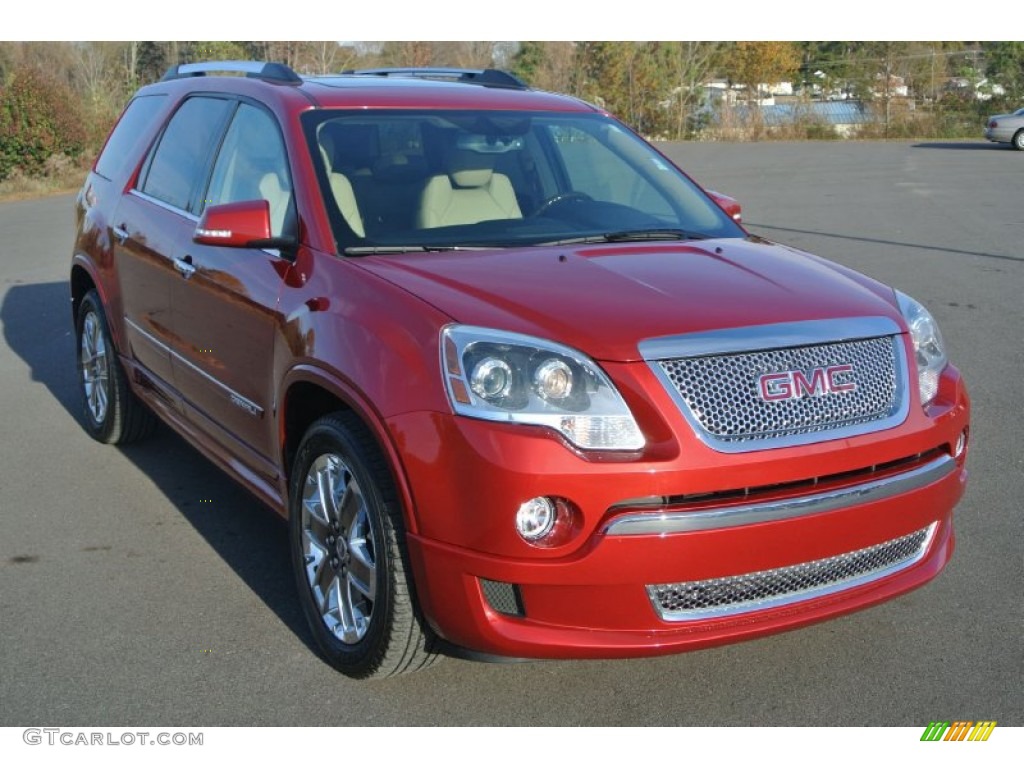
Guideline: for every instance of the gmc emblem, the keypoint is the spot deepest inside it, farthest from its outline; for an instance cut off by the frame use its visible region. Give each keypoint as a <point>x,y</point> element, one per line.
<point>790,385</point>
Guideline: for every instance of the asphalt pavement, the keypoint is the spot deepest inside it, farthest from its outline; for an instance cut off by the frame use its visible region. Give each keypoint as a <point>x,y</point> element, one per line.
<point>141,586</point>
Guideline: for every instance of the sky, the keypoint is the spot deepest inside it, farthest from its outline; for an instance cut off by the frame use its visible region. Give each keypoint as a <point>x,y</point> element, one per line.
<point>515,20</point>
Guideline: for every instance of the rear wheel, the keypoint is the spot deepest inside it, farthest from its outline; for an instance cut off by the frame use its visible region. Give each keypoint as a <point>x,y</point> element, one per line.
<point>111,411</point>
<point>1018,140</point>
<point>348,553</point>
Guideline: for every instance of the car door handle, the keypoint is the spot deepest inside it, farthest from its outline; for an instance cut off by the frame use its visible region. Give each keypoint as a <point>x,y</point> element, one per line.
<point>185,267</point>
<point>121,233</point>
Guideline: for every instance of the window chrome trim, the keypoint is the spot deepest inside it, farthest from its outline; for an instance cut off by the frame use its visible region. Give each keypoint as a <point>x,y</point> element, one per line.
<point>236,399</point>
<point>161,204</point>
<point>764,338</point>
<point>661,523</point>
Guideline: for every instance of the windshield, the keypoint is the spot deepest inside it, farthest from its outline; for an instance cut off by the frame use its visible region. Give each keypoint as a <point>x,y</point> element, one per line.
<point>443,179</point>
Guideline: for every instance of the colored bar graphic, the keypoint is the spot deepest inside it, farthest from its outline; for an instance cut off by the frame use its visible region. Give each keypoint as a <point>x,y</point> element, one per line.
<point>959,730</point>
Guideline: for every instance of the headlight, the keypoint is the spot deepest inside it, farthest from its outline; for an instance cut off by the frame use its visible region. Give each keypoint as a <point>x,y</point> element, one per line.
<point>502,376</point>
<point>929,350</point>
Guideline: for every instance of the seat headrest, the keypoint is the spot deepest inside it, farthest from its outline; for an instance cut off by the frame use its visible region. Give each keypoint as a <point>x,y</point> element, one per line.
<point>348,146</point>
<point>470,169</point>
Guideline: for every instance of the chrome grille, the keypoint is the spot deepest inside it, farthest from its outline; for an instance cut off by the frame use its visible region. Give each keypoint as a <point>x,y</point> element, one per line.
<point>721,397</point>
<point>711,598</point>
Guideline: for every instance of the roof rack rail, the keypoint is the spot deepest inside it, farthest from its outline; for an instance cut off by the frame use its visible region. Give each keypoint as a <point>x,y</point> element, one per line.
<point>496,78</point>
<point>261,69</point>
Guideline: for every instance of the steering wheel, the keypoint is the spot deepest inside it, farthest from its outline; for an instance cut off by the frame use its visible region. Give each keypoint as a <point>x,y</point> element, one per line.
<point>561,197</point>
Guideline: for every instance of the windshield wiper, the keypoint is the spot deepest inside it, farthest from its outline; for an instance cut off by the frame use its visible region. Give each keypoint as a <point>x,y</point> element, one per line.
<point>629,236</point>
<point>372,250</point>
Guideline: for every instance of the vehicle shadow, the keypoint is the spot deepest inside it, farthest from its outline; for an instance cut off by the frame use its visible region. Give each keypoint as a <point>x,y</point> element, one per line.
<point>245,533</point>
<point>987,145</point>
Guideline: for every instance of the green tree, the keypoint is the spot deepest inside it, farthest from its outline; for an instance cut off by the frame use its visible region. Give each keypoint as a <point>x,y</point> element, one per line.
<point>546,65</point>
<point>152,60</point>
<point>1005,66</point>
<point>528,60</point>
<point>631,80</point>
<point>690,65</point>
<point>39,117</point>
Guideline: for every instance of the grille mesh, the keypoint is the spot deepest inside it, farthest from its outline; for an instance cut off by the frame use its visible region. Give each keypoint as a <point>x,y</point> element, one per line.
<point>752,591</point>
<point>722,392</point>
<point>502,597</point>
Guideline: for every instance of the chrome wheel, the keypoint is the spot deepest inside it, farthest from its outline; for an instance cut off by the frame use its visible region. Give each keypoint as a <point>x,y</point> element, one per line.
<point>95,368</point>
<point>337,548</point>
<point>347,530</point>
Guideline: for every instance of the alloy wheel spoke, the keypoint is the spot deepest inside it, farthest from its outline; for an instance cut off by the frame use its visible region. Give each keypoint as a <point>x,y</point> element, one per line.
<point>331,606</point>
<point>362,573</point>
<point>326,484</point>
<point>351,504</point>
<point>315,555</point>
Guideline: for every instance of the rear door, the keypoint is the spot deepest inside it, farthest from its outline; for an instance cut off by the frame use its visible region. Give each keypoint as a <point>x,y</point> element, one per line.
<point>153,224</point>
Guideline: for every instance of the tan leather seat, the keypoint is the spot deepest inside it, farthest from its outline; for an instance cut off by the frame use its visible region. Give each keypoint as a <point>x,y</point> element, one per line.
<point>469,193</point>
<point>279,197</point>
<point>341,187</point>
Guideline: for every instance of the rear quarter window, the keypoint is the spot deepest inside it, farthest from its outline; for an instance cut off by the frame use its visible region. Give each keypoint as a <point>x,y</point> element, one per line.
<point>125,140</point>
<point>179,162</point>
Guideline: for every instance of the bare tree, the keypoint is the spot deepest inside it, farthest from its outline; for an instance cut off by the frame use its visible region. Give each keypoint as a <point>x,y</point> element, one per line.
<point>692,65</point>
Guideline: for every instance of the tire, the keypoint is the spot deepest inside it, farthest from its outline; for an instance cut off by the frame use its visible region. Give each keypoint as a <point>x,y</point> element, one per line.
<point>349,556</point>
<point>1018,140</point>
<point>111,412</point>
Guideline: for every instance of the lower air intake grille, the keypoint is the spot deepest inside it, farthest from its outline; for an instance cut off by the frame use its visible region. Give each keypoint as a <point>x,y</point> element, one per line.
<point>502,597</point>
<point>715,598</point>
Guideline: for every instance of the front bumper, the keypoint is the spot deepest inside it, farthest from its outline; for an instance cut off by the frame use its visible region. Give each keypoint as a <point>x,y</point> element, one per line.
<point>592,596</point>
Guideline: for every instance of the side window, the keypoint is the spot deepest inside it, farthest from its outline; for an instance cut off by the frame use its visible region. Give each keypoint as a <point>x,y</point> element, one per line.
<point>252,164</point>
<point>177,165</point>
<point>123,143</point>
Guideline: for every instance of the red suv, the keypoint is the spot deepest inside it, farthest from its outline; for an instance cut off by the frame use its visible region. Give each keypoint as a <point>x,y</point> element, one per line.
<point>519,385</point>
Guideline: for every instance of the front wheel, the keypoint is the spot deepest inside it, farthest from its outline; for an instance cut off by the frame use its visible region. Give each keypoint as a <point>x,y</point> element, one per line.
<point>348,553</point>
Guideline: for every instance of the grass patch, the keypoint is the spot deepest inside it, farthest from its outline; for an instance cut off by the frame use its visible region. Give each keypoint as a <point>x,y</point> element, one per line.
<point>61,175</point>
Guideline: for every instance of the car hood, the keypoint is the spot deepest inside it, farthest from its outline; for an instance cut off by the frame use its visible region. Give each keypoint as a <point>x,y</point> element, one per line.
<point>605,299</point>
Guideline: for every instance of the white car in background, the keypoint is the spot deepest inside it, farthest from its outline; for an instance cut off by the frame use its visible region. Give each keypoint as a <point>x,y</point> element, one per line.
<point>1008,129</point>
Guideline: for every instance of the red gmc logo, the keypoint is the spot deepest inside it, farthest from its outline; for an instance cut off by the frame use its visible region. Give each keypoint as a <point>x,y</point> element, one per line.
<point>790,385</point>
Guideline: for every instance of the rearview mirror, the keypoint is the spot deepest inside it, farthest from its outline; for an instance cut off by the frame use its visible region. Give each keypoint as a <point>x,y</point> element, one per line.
<point>728,204</point>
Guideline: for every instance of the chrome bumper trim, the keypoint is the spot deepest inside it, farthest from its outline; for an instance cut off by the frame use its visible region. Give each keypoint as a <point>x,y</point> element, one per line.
<point>660,523</point>
<point>758,338</point>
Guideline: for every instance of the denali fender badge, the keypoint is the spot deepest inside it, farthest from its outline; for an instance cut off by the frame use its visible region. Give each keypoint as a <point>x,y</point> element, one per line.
<point>791,385</point>
<point>251,408</point>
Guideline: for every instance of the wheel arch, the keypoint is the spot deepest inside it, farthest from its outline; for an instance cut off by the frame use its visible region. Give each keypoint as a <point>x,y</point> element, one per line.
<point>309,393</point>
<point>82,282</point>
<point>83,279</point>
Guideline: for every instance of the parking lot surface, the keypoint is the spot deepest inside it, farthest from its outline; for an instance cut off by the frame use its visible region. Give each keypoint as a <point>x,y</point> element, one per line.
<point>141,586</point>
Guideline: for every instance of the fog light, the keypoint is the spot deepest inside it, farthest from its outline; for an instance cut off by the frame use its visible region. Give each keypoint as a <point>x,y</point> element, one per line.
<point>961,444</point>
<point>536,518</point>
